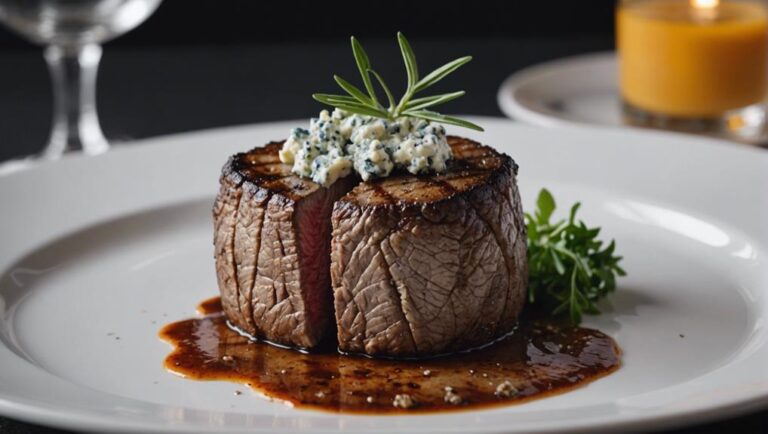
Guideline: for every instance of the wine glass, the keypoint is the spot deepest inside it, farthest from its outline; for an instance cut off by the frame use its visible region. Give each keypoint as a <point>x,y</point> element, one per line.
<point>72,31</point>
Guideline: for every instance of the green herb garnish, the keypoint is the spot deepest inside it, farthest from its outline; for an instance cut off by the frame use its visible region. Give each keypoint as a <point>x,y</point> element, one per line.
<point>367,103</point>
<point>567,267</point>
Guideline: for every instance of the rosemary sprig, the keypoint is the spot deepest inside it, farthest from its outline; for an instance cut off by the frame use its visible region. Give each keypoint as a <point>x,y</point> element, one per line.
<point>367,103</point>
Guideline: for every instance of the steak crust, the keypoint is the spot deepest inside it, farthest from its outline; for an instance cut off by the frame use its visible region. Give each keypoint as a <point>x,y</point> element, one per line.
<point>426,265</point>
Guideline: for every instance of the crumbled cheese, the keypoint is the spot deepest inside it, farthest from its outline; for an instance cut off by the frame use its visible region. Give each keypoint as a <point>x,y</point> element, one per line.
<point>506,389</point>
<point>403,401</point>
<point>338,143</point>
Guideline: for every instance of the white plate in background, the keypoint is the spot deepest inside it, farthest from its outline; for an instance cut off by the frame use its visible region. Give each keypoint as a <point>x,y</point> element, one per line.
<point>580,89</point>
<point>584,90</point>
<point>119,244</point>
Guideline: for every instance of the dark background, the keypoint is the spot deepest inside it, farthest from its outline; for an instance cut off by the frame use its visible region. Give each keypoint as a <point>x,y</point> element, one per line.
<point>203,64</point>
<point>243,22</point>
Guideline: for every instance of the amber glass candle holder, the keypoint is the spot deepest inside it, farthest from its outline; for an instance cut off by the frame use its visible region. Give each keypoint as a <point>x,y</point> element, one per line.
<point>696,66</point>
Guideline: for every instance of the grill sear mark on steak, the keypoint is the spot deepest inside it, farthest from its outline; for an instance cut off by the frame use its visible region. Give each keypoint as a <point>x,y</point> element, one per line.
<point>425,265</point>
<point>417,266</point>
<point>272,242</point>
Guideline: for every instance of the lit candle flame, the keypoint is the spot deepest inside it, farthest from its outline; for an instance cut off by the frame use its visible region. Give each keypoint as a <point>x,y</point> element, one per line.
<point>705,4</point>
<point>705,11</point>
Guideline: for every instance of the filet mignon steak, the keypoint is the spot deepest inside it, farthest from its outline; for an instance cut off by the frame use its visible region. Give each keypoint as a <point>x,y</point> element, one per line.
<point>424,265</point>
<point>417,265</point>
<point>272,241</point>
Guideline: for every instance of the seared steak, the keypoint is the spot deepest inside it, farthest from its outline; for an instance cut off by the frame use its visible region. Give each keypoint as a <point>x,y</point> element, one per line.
<point>419,265</point>
<point>272,242</point>
<point>424,265</point>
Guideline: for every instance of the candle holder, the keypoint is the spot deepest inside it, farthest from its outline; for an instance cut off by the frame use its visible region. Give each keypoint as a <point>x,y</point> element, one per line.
<point>697,66</point>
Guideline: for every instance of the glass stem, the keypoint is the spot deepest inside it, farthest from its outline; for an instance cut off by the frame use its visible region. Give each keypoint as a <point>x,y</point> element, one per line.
<point>75,122</point>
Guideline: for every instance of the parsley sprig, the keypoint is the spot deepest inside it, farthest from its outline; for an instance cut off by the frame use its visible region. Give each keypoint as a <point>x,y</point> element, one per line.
<point>568,267</point>
<point>367,103</point>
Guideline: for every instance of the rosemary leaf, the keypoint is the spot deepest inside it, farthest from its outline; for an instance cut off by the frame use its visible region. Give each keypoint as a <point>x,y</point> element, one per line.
<point>437,117</point>
<point>424,99</point>
<point>440,73</point>
<point>422,103</point>
<point>353,90</point>
<point>410,61</point>
<point>333,99</point>
<point>384,86</point>
<point>361,109</point>
<point>349,104</point>
<point>363,64</point>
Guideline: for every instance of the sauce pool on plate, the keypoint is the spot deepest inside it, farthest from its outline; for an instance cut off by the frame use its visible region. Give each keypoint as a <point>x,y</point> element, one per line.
<point>542,357</point>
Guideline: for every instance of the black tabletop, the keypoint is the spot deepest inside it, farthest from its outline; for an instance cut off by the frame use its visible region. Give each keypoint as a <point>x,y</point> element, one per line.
<point>144,92</point>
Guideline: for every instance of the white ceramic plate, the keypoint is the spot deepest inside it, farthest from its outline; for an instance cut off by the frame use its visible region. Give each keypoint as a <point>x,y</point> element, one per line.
<point>581,89</point>
<point>114,246</point>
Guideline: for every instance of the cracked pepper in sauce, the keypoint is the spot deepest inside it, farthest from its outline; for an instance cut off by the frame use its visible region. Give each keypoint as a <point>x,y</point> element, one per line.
<point>541,358</point>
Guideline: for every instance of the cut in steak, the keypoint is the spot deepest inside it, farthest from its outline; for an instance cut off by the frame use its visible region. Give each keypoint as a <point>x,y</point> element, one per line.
<point>425,265</point>
<point>272,241</point>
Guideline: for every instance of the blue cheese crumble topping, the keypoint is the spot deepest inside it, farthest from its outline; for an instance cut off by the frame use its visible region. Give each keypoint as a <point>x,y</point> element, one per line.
<point>338,143</point>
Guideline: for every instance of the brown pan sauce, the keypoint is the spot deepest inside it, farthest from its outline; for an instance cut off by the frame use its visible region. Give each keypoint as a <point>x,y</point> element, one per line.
<point>541,358</point>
